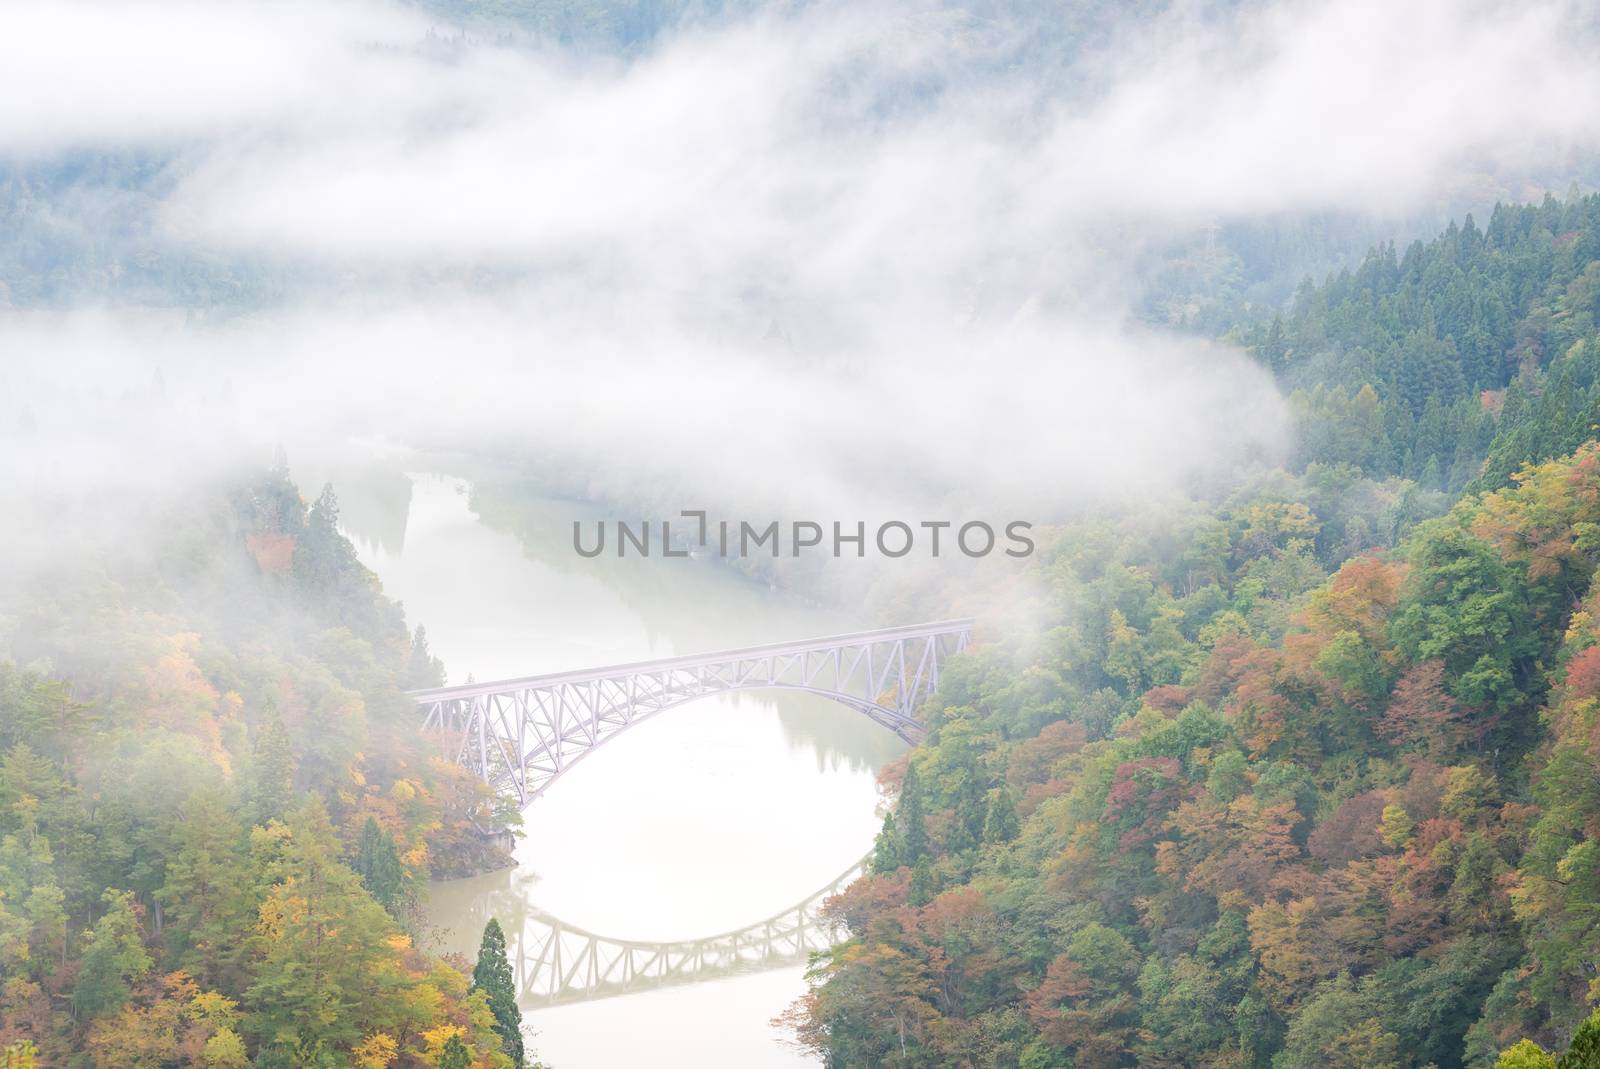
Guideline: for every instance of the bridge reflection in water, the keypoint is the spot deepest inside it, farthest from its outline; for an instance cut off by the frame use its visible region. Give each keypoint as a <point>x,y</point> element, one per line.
<point>558,963</point>
<point>521,735</point>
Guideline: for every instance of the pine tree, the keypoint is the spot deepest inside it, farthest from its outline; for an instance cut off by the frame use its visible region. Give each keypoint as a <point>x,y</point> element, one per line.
<point>423,669</point>
<point>913,835</point>
<point>206,894</point>
<point>920,893</point>
<point>455,1054</point>
<point>273,769</point>
<point>378,865</point>
<point>1000,823</point>
<point>971,810</point>
<point>323,556</point>
<point>886,849</point>
<point>493,977</point>
<point>1584,1051</point>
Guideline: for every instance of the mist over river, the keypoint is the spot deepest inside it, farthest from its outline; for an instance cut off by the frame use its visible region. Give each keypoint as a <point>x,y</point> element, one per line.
<point>707,818</point>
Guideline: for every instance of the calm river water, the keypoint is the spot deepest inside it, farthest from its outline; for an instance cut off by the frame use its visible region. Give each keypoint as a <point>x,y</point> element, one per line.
<point>708,818</point>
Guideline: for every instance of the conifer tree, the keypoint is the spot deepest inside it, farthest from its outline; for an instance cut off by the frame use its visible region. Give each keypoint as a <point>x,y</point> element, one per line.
<point>1000,823</point>
<point>423,669</point>
<point>1584,1051</point>
<point>322,554</point>
<point>913,835</point>
<point>886,849</point>
<point>207,894</point>
<point>455,1054</point>
<point>920,893</point>
<point>493,977</point>
<point>378,864</point>
<point>273,770</point>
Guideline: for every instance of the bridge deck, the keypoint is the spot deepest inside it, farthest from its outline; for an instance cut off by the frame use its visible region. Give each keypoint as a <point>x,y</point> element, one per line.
<point>888,634</point>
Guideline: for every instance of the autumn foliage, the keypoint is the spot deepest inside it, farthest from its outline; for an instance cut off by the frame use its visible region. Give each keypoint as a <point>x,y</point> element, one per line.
<point>1361,833</point>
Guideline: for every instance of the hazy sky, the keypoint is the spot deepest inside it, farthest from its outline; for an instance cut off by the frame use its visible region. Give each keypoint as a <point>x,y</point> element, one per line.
<point>855,247</point>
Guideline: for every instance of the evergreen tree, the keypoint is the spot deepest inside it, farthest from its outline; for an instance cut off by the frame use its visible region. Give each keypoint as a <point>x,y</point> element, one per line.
<point>494,978</point>
<point>423,669</point>
<point>971,807</point>
<point>886,849</point>
<point>913,835</point>
<point>920,893</point>
<point>273,770</point>
<point>317,557</point>
<point>1000,824</point>
<point>454,1055</point>
<point>206,894</point>
<point>378,865</point>
<point>1584,1051</point>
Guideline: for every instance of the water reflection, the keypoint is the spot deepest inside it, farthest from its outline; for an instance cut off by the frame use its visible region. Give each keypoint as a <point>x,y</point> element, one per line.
<point>557,962</point>
<point>374,503</point>
<point>716,812</point>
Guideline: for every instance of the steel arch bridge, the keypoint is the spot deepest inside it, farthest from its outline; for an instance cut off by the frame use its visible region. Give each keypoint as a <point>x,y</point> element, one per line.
<point>521,735</point>
<point>557,963</point>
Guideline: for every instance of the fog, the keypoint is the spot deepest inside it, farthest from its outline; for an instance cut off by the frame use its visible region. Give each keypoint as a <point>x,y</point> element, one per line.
<point>816,261</point>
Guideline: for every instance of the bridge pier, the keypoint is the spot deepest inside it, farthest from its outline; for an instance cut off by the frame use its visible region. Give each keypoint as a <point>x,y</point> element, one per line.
<point>502,839</point>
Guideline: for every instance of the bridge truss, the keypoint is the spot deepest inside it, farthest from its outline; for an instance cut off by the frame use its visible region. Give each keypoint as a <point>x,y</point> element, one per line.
<point>557,963</point>
<point>521,735</point>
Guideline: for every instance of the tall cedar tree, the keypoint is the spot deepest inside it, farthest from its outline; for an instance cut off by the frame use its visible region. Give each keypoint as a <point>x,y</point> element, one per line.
<point>492,975</point>
<point>378,865</point>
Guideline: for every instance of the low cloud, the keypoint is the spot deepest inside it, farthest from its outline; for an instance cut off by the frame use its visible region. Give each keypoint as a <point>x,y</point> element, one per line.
<point>804,259</point>
<point>652,409</point>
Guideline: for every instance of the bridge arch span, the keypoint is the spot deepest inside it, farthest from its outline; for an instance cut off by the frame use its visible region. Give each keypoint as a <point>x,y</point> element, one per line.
<point>521,735</point>
<point>555,962</point>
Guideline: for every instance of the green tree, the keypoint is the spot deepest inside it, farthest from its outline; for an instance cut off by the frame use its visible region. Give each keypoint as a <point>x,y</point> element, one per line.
<point>272,769</point>
<point>208,896</point>
<point>1584,1050</point>
<point>492,975</point>
<point>323,556</point>
<point>886,848</point>
<point>913,833</point>
<point>1525,1054</point>
<point>378,864</point>
<point>1463,605</point>
<point>1000,823</point>
<point>33,919</point>
<point>423,669</point>
<point>114,959</point>
<point>455,1055</point>
<point>920,891</point>
<point>322,943</point>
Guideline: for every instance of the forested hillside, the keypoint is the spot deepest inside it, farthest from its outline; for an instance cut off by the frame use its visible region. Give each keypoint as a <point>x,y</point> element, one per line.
<point>1478,344</point>
<point>215,814</point>
<point>1305,781</point>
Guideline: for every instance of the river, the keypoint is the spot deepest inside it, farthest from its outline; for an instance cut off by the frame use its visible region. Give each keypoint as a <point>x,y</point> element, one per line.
<point>708,818</point>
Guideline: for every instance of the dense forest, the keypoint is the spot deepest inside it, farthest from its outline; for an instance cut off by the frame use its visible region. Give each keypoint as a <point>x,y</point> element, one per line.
<point>1302,777</point>
<point>1304,780</point>
<point>1280,752</point>
<point>215,815</point>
